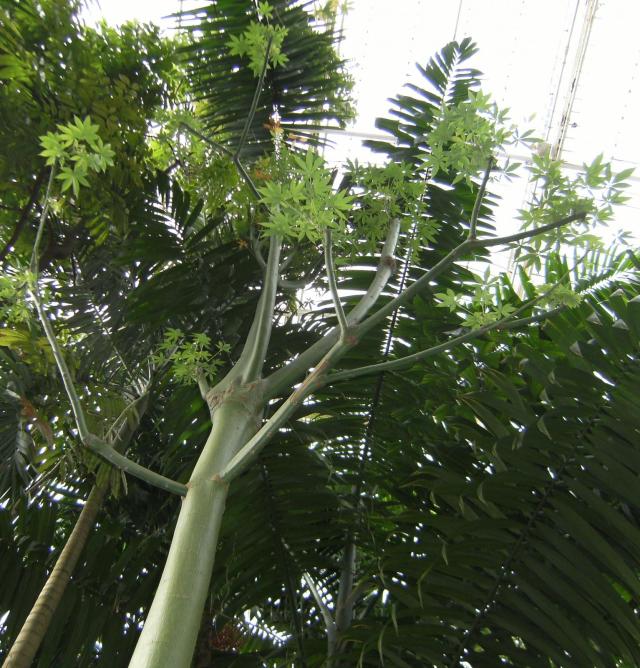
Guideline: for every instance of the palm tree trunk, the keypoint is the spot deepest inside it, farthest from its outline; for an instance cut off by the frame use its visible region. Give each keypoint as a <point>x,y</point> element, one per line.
<point>171,628</point>
<point>35,627</point>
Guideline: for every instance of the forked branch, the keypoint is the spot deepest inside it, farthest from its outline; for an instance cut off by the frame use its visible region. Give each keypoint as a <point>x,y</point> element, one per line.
<point>423,282</point>
<point>90,440</point>
<point>289,374</point>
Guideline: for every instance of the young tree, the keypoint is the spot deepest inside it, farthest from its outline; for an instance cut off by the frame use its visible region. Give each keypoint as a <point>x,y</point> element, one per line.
<point>425,209</point>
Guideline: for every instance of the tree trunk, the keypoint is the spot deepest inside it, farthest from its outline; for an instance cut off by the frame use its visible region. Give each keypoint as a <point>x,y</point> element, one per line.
<point>35,626</point>
<point>171,627</point>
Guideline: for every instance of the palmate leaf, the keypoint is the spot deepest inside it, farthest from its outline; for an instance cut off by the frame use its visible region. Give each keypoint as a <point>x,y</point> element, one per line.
<point>307,92</point>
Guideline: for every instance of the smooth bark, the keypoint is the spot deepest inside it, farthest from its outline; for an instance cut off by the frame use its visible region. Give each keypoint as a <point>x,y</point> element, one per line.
<point>171,628</point>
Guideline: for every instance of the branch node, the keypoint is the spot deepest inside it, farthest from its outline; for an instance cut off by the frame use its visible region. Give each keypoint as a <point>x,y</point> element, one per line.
<point>389,261</point>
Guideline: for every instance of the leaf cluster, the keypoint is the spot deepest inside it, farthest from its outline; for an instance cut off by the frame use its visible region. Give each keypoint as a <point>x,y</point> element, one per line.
<point>594,190</point>
<point>466,136</point>
<point>78,150</point>
<point>190,357</point>
<point>259,42</point>
<point>302,202</point>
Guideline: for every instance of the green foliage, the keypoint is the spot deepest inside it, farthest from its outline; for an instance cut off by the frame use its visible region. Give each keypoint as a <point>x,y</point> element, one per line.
<point>78,150</point>
<point>594,190</point>
<point>560,295</point>
<point>14,308</point>
<point>260,41</point>
<point>301,200</point>
<point>387,193</point>
<point>118,78</point>
<point>310,90</point>
<point>471,483</point>
<point>466,136</point>
<point>189,357</point>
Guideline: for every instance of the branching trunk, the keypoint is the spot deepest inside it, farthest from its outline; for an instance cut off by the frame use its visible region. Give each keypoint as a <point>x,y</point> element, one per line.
<point>31,634</point>
<point>171,628</point>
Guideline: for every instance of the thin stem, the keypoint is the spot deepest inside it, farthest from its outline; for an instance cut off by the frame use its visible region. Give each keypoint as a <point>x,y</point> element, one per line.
<point>329,623</point>
<point>223,149</point>
<point>63,369</point>
<point>91,441</point>
<point>423,282</point>
<point>333,284</point>
<point>409,360</point>
<point>252,358</point>
<point>245,175</point>
<point>125,464</point>
<point>254,102</point>
<point>287,375</point>
<point>33,265</point>
<point>527,234</point>
<point>478,203</point>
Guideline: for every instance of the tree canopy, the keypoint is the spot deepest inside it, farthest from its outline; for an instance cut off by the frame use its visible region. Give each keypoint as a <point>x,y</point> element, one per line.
<point>397,455</point>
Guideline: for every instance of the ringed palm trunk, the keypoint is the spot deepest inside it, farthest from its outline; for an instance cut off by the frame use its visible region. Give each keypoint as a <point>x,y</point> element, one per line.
<point>31,634</point>
<point>170,631</point>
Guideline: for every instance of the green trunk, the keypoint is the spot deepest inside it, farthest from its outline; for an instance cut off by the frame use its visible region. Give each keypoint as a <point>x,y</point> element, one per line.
<point>171,628</point>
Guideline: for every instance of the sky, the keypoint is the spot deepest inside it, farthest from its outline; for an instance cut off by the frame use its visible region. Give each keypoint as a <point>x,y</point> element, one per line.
<point>529,50</point>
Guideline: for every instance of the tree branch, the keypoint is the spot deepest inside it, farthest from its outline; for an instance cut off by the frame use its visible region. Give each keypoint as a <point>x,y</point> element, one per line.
<point>423,282</point>
<point>527,234</point>
<point>33,264</point>
<point>252,358</point>
<point>254,102</point>
<point>333,285</point>
<point>287,375</point>
<point>409,360</point>
<point>473,223</point>
<point>91,441</point>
